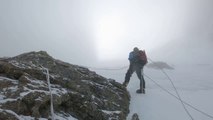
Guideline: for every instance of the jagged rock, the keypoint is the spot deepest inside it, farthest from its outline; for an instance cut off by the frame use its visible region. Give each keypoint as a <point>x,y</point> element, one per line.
<point>5,115</point>
<point>77,91</point>
<point>159,65</point>
<point>135,117</point>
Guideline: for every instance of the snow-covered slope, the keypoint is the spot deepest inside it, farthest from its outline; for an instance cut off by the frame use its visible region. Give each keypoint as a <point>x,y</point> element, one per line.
<point>193,82</point>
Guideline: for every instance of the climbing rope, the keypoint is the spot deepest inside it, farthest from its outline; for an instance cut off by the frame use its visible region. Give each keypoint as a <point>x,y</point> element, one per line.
<point>51,96</point>
<point>178,98</point>
<point>120,68</point>
<point>196,109</point>
<point>174,89</point>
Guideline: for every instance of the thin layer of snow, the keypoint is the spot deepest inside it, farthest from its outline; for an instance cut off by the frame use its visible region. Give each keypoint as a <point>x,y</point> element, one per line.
<point>57,117</point>
<point>12,89</point>
<point>1,97</point>
<point>15,63</point>
<point>111,112</point>
<point>100,86</point>
<point>39,83</point>
<point>27,91</point>
<point>55,76</point>
<point>55,91</point>
<point>22,117</point>
<point>21,65</point>
<point>11,112</point>
<point>34,86</point>
<point>7,100</point>
<point>94,84</point>
<point>28,117</point>
<point>8,79</point>
<point>63,117</point>
<point>59,91</point>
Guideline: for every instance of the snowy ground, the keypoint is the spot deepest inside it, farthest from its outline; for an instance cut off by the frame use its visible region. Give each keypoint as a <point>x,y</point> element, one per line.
<point>194,83</point>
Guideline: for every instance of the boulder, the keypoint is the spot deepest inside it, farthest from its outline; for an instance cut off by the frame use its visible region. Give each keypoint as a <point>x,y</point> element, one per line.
<point>135,117</point>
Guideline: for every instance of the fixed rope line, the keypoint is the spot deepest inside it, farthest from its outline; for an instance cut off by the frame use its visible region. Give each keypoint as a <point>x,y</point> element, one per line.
<point>178,95</point>
<point>174,89</point>
<point>196,109</point>
<point>189,105</point>
<point>120,68</point>
<point>50,90</point>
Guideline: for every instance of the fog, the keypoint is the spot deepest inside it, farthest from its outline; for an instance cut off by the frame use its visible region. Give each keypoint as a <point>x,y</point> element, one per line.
<point>102,32</point>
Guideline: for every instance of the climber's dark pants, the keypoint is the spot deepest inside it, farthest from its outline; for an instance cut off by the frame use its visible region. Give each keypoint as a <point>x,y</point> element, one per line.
<point>138,68</point>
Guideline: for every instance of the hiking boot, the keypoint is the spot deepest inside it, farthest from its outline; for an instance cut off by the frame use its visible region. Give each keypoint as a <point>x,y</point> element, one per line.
<point>143,91</point>
<point>140,91</point>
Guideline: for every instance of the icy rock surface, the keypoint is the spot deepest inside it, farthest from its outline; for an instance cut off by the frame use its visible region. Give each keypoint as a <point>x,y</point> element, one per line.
<point>78,93</point>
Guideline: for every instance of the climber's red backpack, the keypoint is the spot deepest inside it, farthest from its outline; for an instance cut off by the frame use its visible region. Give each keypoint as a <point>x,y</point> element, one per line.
<point>142,57</point>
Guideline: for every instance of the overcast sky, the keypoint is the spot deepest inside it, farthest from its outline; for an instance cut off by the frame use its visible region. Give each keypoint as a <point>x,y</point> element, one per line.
<point>90,32</point>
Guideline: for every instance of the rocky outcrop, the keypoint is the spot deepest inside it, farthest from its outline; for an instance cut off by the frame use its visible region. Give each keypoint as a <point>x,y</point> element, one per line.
<point>135,117</point>
<point>77,92</point>
<point>159,65</point>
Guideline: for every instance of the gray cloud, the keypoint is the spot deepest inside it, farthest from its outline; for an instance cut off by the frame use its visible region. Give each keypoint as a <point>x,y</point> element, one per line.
<point>68,29</point>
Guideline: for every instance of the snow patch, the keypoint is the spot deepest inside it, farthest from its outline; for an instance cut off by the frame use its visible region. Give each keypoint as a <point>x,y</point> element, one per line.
<point>20,65</point>
<point>27,91</point>
<point>2,97</point>
<point>56,91</point>
<point>7,100</point>
<point>111,112</point>
<point>59,91</point>
<point>12,89</point>
<point>11,112</point>
<point>64,117</point>
<point>8,79</point>
<point>27,117</point>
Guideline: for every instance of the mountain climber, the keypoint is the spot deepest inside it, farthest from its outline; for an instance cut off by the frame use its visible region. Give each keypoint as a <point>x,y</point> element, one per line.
<point>137,60</point>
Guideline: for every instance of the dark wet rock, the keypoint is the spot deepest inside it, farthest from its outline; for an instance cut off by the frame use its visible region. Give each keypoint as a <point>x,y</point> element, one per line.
<point>159,65</point>
<point>77,91</point>
<point>5,115</point>
<point>135,117</point>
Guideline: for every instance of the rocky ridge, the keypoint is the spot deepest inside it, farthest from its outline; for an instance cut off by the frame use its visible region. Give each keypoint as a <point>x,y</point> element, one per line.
<point>78,93</point>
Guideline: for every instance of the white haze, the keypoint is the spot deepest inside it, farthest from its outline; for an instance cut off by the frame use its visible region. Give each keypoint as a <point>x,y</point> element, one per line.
<point>101,33</point>
<point>94,32</point>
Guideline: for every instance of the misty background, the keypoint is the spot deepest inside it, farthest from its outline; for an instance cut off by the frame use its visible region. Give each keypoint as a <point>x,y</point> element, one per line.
<point>103,32</point>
